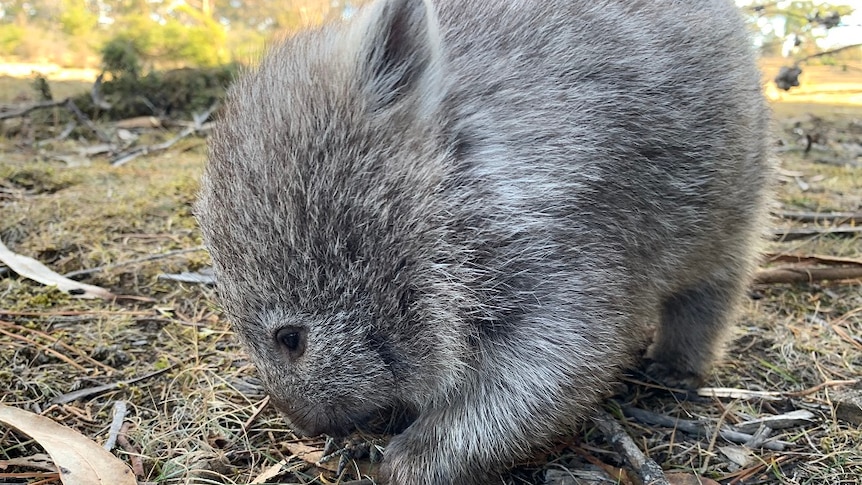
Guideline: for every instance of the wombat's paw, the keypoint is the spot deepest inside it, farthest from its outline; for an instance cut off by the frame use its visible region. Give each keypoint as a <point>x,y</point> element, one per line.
<point>354,448</point>
<point>410,460</point>
<point>671,376</point>
<point>404,464</point>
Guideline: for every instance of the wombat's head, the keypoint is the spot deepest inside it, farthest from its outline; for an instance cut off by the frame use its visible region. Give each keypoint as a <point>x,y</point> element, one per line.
<point>319,208</point>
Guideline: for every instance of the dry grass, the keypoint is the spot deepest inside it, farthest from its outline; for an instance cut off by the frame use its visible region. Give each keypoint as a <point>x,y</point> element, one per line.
<point>201,421</point>
<point>17,88</point>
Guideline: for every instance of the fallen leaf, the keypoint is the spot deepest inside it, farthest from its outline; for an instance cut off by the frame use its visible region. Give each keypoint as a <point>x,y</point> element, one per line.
<point>36,271</point>
<point>311,455</point>
<point>740,455</point>
<point>79,459</point>
<point>269,473</point>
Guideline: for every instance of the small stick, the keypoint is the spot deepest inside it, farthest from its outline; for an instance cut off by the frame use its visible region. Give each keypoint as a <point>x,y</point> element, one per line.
<point>841,217</point>
<point>696,428</point>
<point>812,259</point>
<point>785,235</point>
<point>647,471</point>
<point>90,391</point>
<point>197,125</point>
<point>251,419</point>
<point>133,451</point>
<point>5,115</point>
<point>74,313</point>
<point>116,424</point>
<point>799,274</point>
<point>759,438</point>
<point>82,118</point>
<point>813,389</point>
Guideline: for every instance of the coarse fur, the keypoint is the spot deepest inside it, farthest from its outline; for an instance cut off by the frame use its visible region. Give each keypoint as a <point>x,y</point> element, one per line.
<point>476,213</point>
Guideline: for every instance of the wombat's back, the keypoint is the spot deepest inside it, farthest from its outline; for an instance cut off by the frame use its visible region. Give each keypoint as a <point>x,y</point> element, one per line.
<point>642,122</point>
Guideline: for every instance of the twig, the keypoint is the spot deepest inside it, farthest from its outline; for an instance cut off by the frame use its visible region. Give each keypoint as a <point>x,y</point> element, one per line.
<point>75,313</point>
<point>144,259</point>
<point>133,451</point>
<point>116,424</point>
<point>803,233</point>
<point>822,385</point>
<point>697,428</point>
<point>251,419</point>
<point>5,115</point>
<point>798,274</point>
<point>827,53</point>
<point>130,155</point>
<point>840,217</point>
<point>647,471</point>
<point>197,125</point>
<point>792,419</point>
<point>845,336</point>
<point>759,437</point>
<point>96,94</point>
<point>91,391</point>
<point>82,118</point>
<point>812,259</point>
<point>743,475</point>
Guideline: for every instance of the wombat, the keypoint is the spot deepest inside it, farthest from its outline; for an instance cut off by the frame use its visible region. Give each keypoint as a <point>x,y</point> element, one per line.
<point>476,213</point>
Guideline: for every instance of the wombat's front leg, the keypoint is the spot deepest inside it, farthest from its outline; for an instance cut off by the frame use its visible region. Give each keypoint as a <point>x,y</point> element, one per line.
<point>522,394</point>
<point>694,325</point>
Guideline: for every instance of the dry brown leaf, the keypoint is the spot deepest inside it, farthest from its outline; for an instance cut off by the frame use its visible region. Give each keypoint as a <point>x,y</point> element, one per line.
<point>36,271</point>
<point>269,473</point>
<point>79,460</point>
<point>311,455</point>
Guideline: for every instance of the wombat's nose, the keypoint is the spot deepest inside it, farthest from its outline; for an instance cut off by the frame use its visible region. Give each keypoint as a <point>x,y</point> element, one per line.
<point>292,341</point>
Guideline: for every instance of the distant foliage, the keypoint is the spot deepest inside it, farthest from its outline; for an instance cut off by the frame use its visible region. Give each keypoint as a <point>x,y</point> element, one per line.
<point>11,38</point>
<point>76,20</point>
<point>198,42</point>
<point>121,58</point>
<point>177,93</point>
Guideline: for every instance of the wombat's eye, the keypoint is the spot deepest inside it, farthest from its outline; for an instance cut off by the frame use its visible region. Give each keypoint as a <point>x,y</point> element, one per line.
<point>292,339</point>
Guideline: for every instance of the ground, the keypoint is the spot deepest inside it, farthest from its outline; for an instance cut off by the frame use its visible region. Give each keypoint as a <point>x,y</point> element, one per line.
<point>199,415</point>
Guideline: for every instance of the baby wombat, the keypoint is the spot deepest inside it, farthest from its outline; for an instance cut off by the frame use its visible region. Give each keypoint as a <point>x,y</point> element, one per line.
<point>475,212</point>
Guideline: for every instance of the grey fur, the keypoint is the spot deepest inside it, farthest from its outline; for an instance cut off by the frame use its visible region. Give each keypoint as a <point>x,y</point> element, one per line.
<point>476,212</point>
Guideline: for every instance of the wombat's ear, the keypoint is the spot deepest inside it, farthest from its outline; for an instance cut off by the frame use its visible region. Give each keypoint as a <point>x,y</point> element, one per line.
<point>401,52</point>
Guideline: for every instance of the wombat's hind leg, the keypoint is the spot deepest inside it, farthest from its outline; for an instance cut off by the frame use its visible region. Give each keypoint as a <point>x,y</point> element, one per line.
<point>693,325</point>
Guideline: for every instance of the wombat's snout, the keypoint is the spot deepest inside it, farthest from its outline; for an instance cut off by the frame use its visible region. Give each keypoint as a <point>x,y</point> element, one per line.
<point>292,340</point>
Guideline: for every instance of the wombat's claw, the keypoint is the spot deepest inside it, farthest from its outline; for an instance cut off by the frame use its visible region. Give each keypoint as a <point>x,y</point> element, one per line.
<point>671,377</point>
<point>342,463</point>
<point>355,448</point>
<point>328,449</point>
<point>375,453</point>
